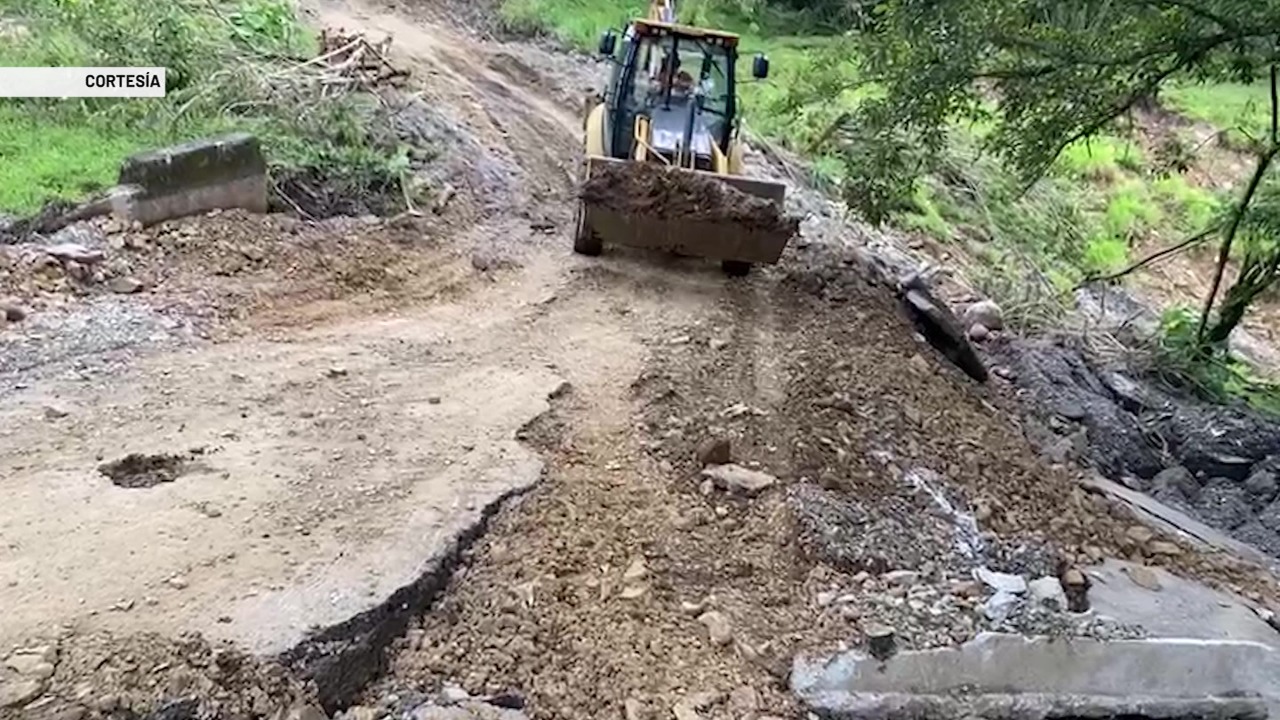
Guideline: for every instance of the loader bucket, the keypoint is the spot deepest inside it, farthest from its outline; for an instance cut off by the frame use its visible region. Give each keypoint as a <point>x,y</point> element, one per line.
<point>689,212</point>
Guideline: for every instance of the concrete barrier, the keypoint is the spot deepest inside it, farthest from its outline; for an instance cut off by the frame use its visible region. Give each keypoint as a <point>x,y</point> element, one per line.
<point>196,177</point>
<point>1009,677</point>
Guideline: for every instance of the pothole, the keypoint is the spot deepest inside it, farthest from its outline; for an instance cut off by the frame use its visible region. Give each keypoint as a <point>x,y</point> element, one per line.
<point>136,470</point>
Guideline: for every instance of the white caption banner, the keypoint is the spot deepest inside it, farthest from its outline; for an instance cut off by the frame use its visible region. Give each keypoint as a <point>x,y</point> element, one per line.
<point>69,82</point>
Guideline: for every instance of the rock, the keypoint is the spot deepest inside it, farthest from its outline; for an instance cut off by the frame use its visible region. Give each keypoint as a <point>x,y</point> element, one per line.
<point>719,630</point>
<point>1076,585</point>
<point>304,711</point>
<point>714,451</point>
<point>75,252</point>
<point>1139,534</point>
<point>362,712</point>
<point>52,412</point>
<point>187,708</point>
<point>1144,577</point>
<point>632,592</point>
<point>509,700</point>
<point>985,313</point>
<point>451,694</point>
<point>738,479</point>
<point>901,577</point>
<point>336,372</point>
<point>124,285</point>
<point>75,712</point>
<point>12,311</point>
<point>1048,592</point>
<point>744,700</point>
<point>1175,483</point>
<point>107,703</point>
<point>636,571</point>
<point>32,662</point>
<point>632,709</point>
<point>881,641</point>
<point>691,706</point>
<point>20,691</point>
<point>979,332</point>
<point>999,606</point>
<point>1164,547</point>
<point>1001,582</point>
<point>1261,487</point>
<point>177,582</point>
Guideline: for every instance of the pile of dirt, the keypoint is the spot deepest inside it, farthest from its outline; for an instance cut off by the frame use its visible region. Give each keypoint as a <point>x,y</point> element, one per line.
<point>230,266</point>
<point>102,675</point>
<point>626,584</point>
<point>654,190</point>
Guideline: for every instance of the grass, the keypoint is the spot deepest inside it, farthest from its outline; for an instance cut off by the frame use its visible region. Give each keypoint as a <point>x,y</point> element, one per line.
<point>1240,110</point>
<point>54,159</point>
<point>1100,159</point>
<point>575,22</point>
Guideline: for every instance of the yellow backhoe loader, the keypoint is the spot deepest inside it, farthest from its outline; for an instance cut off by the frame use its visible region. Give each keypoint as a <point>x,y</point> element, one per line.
<point>672,100</point>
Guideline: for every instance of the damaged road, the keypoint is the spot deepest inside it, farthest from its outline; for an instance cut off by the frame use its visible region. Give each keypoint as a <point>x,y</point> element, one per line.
<point>552,487</point>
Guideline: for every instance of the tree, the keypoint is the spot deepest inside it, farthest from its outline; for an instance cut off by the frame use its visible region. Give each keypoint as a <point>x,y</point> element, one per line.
<point>1050,73</point>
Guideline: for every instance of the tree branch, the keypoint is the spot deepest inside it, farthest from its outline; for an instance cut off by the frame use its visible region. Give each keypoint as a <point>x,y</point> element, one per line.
<point>1197,238</point>
<point>1224,254</point>
<point>1200,12</point>
<point>1275,110</point>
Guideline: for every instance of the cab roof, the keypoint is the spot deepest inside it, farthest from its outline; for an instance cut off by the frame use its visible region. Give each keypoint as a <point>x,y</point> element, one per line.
<point>644,27</point>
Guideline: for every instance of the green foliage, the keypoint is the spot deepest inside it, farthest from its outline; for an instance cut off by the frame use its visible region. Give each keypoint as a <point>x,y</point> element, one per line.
<point>1240,110</point>
<point>1062,72</point>
<point>56,159</point>
<point>1217,376</point>
<point>1191,208</point>
<point>1102,158</point>
<point>223,62</point>
<point>926,215</point>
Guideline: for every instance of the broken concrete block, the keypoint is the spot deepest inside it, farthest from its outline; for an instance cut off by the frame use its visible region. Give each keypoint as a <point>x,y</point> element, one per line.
<point>196,177</point>
<point>738,479</point>
<point>1008,676</point>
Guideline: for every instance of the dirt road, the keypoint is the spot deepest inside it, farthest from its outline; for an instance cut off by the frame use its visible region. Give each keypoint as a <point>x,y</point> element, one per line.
<point>337,464</point>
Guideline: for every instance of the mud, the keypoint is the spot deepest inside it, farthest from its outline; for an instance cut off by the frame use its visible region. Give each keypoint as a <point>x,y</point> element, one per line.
<point>653,190</point>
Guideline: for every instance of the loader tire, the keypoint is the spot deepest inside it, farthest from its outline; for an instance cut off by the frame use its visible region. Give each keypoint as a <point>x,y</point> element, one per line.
<point>735,268</point>
<point>585,242</point>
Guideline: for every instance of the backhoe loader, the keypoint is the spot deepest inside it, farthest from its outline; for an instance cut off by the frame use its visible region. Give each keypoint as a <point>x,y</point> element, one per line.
<point>672,100</point>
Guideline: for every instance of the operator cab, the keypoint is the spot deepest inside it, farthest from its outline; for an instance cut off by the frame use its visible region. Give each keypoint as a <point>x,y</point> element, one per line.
<point>681,80</point>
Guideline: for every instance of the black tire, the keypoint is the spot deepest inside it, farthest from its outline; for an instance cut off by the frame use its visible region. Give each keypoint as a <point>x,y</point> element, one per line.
<point>585,242</point>
<point>735,268</point>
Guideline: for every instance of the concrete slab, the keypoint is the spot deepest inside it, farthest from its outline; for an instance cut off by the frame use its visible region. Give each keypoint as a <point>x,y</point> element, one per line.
<point>336,468</point>
<point>1168,519</point>
<point>1178,608</point>
<point>1009,676</point>
<point>192,178</point>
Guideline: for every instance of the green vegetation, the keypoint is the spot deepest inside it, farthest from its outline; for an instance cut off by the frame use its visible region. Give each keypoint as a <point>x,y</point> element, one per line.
<point>1241,111</point>
<point>231,66</point>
